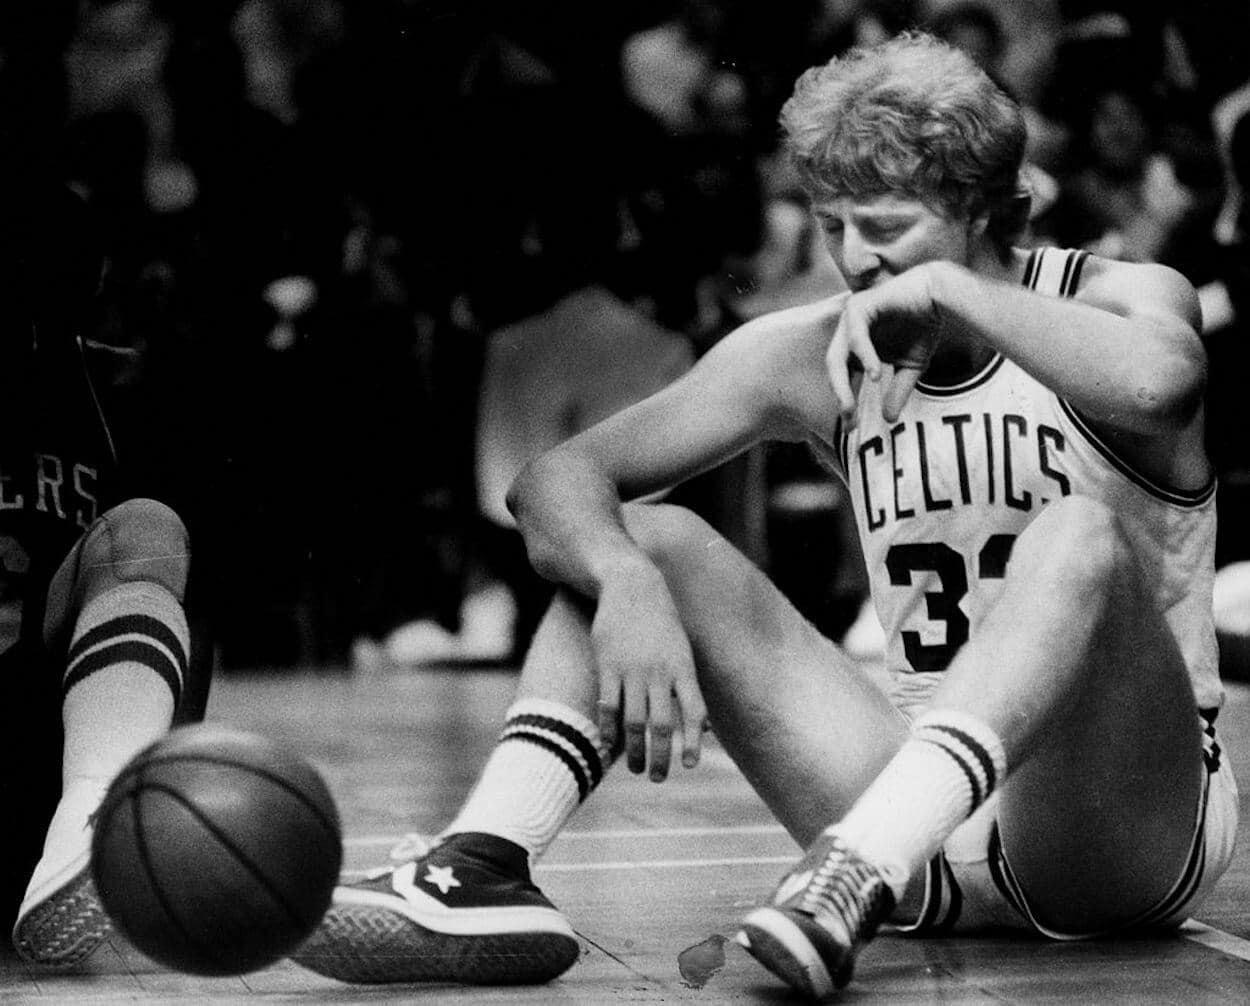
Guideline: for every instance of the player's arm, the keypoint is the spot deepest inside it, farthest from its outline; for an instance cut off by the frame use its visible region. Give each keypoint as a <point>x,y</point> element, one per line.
<point>764,381</point>
<point>1125,351</point>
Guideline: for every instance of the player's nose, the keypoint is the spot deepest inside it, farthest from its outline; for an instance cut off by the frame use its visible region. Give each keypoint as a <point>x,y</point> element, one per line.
<point>860,260</point>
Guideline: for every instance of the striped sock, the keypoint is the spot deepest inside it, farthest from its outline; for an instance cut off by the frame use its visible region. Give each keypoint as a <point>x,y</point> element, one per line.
<point>547,762</point>
<point>945,770</point>
<point>127,661</point>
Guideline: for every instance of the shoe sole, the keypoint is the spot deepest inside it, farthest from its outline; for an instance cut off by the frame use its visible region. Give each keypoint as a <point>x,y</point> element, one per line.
<point>372,944</point>
<point>773,939</point>
<point>65,926</point>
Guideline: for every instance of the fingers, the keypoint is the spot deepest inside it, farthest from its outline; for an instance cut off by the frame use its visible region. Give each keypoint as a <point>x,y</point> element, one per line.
<point>900,383</point>
<point>609,715</point>
<point>635,719</point>
<point>693,722</point>
<point>850,339</point>
<point>661,711</point>
<point>647,718</point>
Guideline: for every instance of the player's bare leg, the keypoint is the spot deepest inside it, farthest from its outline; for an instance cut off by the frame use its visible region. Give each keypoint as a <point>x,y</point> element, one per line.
<point>1093,704</point>
<point>806,725</point>
<point>1075,684</point>
<point>809,729</point>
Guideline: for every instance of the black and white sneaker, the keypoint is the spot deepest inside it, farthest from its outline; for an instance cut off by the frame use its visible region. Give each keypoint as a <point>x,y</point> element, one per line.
<point>823,911</point>
<point>464,910</point>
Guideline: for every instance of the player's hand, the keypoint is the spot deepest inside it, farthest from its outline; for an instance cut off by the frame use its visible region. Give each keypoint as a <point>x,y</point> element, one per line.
<point>647,682</point>
<point>892,331</point>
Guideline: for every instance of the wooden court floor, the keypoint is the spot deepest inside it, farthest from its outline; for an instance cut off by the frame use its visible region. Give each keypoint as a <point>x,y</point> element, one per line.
<point>645,872</point>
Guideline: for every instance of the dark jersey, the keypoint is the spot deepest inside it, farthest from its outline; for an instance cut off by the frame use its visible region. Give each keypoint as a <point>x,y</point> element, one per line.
<point>58,472</point>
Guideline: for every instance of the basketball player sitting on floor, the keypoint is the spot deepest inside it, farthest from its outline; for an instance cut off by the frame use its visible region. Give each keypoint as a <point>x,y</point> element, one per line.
<point>1022,436</point>
<point>93,637</point>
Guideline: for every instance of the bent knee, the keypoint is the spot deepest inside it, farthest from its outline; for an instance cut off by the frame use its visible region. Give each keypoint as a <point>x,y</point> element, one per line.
<point>1080,541</point>
<point>139,540</point>
<point>665,530</point>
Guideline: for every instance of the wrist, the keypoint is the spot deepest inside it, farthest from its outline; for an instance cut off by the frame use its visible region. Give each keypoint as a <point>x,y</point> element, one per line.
<point>627,570</point>
<point>945,281</point>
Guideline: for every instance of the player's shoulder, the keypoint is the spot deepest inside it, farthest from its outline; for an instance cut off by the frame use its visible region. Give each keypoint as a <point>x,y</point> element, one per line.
<point>790,333</point>
<point>1099,269</point>
<point>777,361</point>
<point>773,352</point>
<point>1128,285</point>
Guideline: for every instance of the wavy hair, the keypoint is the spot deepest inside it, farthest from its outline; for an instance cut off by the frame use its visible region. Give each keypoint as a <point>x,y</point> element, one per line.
<point>913,116</point>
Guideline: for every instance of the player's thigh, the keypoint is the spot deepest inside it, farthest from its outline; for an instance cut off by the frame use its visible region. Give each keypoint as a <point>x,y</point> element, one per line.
<point>806,724</point>
<point>1098,822</point>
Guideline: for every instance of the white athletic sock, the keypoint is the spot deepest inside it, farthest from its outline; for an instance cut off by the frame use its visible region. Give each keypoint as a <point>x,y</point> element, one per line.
<point>127,662</point>
<point>548,761</point>
<point>943,772</point>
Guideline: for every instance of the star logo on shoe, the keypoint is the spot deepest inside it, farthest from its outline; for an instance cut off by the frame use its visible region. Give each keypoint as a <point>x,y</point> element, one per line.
<point>442,877</point>
<point>791,886</point>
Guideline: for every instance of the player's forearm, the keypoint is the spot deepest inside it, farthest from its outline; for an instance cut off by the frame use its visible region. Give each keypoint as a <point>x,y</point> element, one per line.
<point>1140,373</point>
<point>570,516</point>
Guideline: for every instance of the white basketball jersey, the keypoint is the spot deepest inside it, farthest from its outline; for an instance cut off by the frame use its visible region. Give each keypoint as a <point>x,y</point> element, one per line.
<point>941,494</point>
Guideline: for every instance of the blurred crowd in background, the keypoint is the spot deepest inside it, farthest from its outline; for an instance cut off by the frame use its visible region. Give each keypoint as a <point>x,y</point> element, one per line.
<point>346,239</point>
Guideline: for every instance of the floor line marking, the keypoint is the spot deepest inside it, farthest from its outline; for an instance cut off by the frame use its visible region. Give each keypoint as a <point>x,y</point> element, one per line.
<point>664,864</point>
<point>644,864</point>
<point>371,841</point>
<point>1216,939</point>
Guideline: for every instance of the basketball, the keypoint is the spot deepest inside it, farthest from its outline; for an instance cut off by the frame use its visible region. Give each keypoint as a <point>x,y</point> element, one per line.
<point>216,851</point>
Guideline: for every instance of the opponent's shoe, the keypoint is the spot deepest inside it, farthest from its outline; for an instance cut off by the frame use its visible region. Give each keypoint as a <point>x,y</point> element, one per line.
<point>61,921</point>
<point>823,911</point>
<point>463,911</point>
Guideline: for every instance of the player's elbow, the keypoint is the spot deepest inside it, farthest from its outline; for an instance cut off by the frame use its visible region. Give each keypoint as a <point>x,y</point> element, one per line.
<point>520,490</point>
<point>1173,392</point>
<point>543,485</point>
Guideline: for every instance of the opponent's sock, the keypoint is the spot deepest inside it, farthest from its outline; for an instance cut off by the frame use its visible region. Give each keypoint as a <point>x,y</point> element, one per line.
<point>548,761</point>
<point>124,675</point>
<point>944,771</point>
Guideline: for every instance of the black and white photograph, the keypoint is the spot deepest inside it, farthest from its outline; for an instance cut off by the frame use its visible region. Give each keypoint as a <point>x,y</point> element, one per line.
<point>635,501</point>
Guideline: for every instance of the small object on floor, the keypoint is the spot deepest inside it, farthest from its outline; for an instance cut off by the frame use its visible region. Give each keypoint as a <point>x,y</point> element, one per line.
<point>702,962</point>
<point>216,851</point>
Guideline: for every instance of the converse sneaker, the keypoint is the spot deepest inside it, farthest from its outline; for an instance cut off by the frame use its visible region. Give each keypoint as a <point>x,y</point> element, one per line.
<point>464,911</point>
<point>61,920</point>
<point>823,910</point>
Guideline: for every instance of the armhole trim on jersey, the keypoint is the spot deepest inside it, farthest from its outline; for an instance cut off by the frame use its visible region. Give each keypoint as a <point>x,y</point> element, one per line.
<point>1072,267</point>
<point>1066,285</point>
<point>1054,271</point>
<point>1188,498</point>
<point>1030,269</point>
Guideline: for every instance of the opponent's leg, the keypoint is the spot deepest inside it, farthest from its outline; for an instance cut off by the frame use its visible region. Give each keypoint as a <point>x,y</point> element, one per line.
<point>1075,683</point>
<point>118,595</point>
<point>808,728</point>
